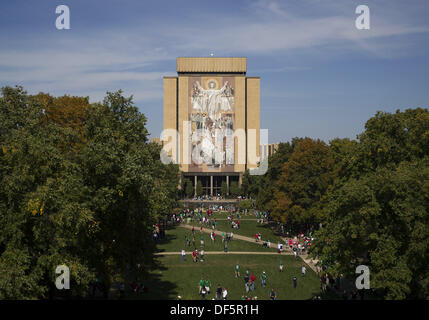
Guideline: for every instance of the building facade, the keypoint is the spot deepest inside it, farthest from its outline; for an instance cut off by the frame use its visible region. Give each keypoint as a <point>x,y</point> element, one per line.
<point>267,150</point>
<point>212,120</point>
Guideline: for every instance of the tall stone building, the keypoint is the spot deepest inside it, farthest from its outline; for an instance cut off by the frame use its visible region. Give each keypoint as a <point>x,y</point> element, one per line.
<point>212,120</point>
<point>267,150</point>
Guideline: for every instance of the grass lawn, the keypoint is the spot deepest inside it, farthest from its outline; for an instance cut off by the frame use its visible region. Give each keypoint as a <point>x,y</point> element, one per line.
<point>174,242</point>
<point>248,228</point>
<point>175,277</point>
<point>172,276</point>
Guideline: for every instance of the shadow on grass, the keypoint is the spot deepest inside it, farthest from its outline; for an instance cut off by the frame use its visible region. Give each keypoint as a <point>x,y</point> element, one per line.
<point>167,239</point>
<point>156,287</point>
<point>272,227</point>
<point>338,294</point>
<point>328,295</point>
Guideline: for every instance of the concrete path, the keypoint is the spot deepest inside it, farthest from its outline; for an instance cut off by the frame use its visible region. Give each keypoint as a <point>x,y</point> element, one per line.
<point>222,252</point>
<point>241,219</point>
<point>305,257</point>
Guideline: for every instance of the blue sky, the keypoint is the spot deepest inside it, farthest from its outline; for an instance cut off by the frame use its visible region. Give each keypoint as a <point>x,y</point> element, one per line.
<point>320,76</point>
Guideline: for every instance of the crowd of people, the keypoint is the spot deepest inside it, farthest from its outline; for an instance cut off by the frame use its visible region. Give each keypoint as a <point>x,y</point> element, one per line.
<point>261,216</point>
<point>158,233</point>
<point>216,197</point>
<point>249,285</point>
<point>299,244</point>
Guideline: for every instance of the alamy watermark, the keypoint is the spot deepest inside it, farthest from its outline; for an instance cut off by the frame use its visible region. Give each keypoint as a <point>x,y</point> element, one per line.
<point>63,280</point>
<point>63,20</point>
<point>217,147</point>
<point>362,281</point>
<point>362,22</point>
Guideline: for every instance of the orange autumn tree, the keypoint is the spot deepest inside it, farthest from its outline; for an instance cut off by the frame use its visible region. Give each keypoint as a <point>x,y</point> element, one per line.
<point>68,112</point>
<point>304,180</point>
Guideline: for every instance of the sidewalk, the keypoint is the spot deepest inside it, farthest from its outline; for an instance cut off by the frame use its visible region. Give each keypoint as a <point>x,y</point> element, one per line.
<point>222,252</point>
<point>308,260</point>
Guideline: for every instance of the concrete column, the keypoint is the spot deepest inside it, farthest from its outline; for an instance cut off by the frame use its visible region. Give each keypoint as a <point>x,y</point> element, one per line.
<point>240,179</point>
<point>195,186</point>
<point>227,185</point>
<point>211,185</point>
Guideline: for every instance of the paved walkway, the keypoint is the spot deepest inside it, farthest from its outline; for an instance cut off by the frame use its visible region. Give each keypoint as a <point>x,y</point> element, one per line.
<point>305,257</point>
<point>241,219</point>
<point>311,263</point>
<point>222,252</point>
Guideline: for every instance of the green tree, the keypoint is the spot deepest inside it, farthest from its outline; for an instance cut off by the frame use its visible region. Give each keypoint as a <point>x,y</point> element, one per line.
<point>246,204</point>
<point>251,184</point>
<point>189,189</point>
<point>45,214</point>
<point>129,186</point>
<point>224,188</point>
<point>381,220</point>
<point>199,188</point>
<point>390,138</point>
<point>263,186</point>
<point>304,181</point>
<point>84,194</point>
<point>234,189</point>
<point>377,212</point>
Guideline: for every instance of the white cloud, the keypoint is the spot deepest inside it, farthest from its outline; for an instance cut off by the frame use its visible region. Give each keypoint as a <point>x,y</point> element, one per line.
<point>97,61</point>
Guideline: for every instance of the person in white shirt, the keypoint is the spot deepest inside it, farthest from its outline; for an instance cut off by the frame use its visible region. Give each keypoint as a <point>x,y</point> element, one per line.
<point>183,254</point>
<point>303,271</point>
<point>224,293</point>
<point>202,255</point>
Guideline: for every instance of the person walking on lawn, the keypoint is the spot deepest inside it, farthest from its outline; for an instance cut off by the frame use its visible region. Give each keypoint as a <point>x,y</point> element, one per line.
<point>263,279</point>
<point>252,282</point>
<point>237,270</point>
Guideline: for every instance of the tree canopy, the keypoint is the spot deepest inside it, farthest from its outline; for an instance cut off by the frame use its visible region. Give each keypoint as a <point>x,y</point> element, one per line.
<point>377,213</point>
<point>370,194</point>
<point>80,186</point>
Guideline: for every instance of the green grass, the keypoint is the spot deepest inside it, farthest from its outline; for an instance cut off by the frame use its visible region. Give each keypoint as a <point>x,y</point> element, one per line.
<point>175,277</point>
<point>248,228</point>
<point>174,242</point>
<point>172,276</point>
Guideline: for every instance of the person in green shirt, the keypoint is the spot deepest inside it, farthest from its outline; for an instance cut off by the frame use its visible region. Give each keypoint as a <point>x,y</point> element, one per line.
<point>207,285</point>
<point>237,270</point>
<point>202,283</point>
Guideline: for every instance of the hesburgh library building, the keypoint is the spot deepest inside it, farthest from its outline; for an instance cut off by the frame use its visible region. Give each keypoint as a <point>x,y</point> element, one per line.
<point>212,120</point>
